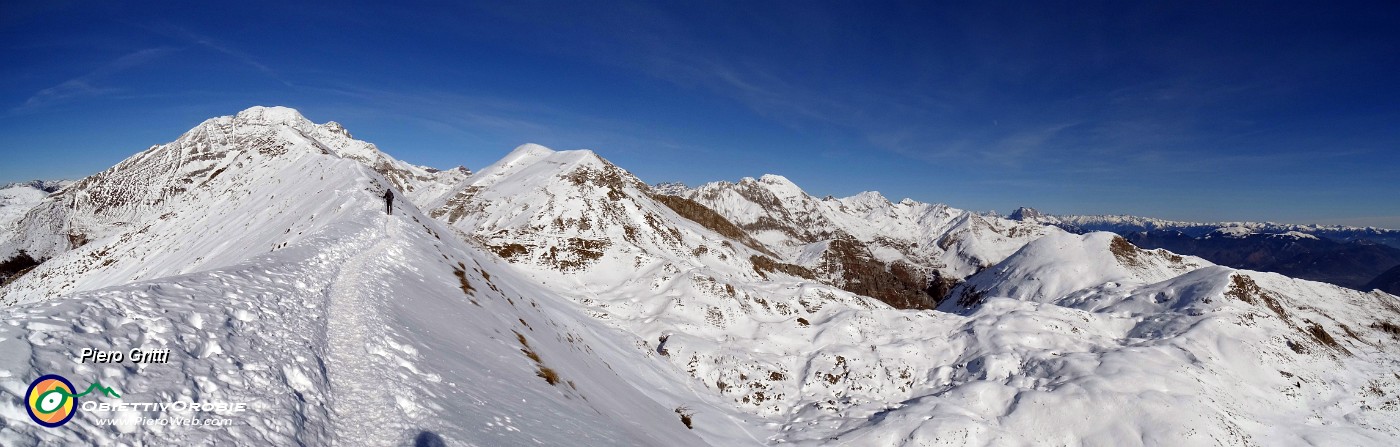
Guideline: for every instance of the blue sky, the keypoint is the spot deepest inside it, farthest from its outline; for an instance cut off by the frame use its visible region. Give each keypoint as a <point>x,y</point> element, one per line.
<point>1253,111</point>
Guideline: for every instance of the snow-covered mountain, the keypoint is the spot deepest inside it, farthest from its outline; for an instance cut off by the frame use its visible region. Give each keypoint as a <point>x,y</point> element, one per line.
<point>907,254</point>
<point>554,298</point>
<point>117,199</point>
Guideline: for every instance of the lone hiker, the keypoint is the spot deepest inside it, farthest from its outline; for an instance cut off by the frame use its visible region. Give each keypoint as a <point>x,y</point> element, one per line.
<point>388,202</point>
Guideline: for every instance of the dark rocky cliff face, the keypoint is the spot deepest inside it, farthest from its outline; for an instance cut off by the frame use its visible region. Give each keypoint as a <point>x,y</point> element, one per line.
<point>1024,214</point>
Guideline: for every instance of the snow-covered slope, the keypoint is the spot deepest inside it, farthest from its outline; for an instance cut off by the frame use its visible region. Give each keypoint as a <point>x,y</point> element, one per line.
<point>595,233</point>
<point>1056,265</point>
<point>1091,318</point>
<point>1213,355</point>
<point>553,298</point>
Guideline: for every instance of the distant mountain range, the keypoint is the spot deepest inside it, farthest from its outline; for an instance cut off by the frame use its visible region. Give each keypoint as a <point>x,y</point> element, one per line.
<point>1353,257</point>
<point>1124,224</point>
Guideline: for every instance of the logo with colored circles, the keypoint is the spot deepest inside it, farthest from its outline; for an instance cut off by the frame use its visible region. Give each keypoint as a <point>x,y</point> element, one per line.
<point>51,400</point>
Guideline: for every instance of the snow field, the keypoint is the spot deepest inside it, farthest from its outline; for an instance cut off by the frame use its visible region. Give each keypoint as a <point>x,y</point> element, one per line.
<point>527,304</point>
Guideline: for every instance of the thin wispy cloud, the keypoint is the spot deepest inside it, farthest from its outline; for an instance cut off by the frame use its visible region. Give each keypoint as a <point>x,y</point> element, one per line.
<point>91,84</point>
<point>191,40</point>
<point>241,57</point>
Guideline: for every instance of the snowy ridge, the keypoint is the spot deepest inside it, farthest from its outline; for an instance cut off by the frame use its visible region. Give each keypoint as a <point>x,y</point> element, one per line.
<point>553,298</point>
<point>1345,256</point>
<point>671,188</point>
<point>1056,265</point>
<point>324,314</point>
<point>934,235</point>
<point>846,369</point>
<point>907,254</point>
<point>140,188</point>
<point>270,332</point>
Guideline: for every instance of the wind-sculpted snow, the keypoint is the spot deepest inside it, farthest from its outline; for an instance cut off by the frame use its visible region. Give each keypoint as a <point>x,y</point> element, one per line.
<point>552,298</point>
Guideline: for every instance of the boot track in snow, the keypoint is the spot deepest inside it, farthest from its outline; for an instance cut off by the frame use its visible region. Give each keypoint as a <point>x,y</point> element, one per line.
<point>361,405</point>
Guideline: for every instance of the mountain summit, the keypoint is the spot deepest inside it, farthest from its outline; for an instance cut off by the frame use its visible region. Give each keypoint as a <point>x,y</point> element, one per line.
<point>1025,214</point>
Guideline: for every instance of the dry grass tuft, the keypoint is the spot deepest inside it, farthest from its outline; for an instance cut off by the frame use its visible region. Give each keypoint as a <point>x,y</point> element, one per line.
<point>548,375</point>
<point>544,372</point>
<point>509,251</point>
<point>461,272</point>
<point>708,218</point>
<point>1387,327</point>
<point>1322,337</point>
<point>686,417</point>
<point>1125,251</point>
<point>1245,289</point>
<point>763,264</point>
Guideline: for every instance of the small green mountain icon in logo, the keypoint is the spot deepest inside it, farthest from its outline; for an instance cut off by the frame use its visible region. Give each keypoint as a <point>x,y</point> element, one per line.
<point>107,391</point>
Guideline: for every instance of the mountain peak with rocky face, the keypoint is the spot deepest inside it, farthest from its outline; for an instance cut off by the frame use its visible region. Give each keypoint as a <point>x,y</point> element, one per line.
<point>206,157</point>
<point>272,115</point>
<point>1025,214</point>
